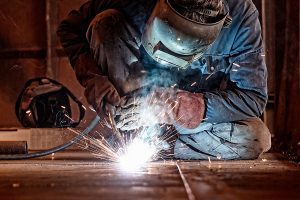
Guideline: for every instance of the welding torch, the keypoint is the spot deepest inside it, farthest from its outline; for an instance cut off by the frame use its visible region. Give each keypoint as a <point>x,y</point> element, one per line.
<point>118,136</point>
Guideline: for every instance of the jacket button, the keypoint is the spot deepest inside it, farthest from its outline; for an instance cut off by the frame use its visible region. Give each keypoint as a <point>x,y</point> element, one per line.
<point>212,68</point>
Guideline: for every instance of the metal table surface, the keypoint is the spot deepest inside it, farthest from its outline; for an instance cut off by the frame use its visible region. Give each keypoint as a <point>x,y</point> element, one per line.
<point>79,175</point>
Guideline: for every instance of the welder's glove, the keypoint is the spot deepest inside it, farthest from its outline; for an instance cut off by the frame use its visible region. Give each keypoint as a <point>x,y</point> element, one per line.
<point>190,110</point>
<point>101,94</point>
<point>145,110</point>
<point>99,90</point>
<point>162,106</point>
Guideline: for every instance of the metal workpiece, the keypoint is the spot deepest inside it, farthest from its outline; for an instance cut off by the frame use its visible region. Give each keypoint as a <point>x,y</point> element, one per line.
<point>115,131</point>
<point>79,175</point>
<point>13,147</point>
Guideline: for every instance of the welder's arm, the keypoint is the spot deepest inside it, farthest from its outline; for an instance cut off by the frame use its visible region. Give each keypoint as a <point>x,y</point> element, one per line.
<point>72,30</point>
<point>161,106</point>
<point>72,34</point>
<point>246,94</point>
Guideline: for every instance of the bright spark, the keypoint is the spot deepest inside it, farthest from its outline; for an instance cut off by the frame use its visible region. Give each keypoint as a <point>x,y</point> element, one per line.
<point>146,144</point>
<point>194,84</point>
<point>173,86</point>
<point>67,116</point>
<point>136,155</point>
<point>237,65</point>
<point>209,76</point>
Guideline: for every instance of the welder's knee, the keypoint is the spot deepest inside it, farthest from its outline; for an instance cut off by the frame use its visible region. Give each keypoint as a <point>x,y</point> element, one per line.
<point>246,139</point>
<point>257,138</point>
<point>105,26</point>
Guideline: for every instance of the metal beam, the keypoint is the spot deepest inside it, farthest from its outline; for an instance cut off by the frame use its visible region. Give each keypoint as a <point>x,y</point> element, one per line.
<point>51,24</point>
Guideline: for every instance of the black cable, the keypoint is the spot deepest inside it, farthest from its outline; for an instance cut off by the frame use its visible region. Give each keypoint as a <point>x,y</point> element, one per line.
<point>77,138</point>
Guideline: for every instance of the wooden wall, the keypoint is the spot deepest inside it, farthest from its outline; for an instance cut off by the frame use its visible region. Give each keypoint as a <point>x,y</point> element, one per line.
<point>24,49</point>
<point>22,52</point>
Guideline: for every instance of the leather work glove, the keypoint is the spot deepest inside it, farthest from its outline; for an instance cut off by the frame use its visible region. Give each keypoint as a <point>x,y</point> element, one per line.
<point>99,90</point>
<point>101,94</point>
<point>162,106</point>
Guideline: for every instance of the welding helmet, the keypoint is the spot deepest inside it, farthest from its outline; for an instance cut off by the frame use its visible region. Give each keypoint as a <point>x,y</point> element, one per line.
<point>45,103</point>
<point>176,41</point>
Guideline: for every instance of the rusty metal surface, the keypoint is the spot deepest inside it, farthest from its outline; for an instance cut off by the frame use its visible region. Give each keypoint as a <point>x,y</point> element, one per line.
<point>23,42</point>
<point>14,74</point>
<point>65,6</point>
<point>78,175</point>
<point>204,183</point>
<point>13,147</point>
<point>22,24</point>
<point>87,179</point>
<point>269,177</point>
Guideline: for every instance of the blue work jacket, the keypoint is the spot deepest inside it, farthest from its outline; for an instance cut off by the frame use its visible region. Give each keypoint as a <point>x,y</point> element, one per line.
<point>232,74</point>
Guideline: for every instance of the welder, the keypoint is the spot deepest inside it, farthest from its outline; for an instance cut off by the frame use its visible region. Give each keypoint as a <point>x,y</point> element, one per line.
<point>202,61</point>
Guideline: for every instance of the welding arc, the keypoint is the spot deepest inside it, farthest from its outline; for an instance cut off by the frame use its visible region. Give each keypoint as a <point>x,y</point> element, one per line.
<point>74,140</point>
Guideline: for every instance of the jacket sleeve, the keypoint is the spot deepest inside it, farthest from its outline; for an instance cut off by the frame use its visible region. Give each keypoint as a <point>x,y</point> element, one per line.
<point>71,31</point>
<point>72,35</point>
<point>246,92</point>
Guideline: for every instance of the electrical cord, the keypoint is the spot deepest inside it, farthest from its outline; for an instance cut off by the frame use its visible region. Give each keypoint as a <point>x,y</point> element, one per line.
<point>76,139</point>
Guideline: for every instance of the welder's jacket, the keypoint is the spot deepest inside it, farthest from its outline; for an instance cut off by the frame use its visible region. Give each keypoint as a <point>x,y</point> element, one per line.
<point>232,74</point>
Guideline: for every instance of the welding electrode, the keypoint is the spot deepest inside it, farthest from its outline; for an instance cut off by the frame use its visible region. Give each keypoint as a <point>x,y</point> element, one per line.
<point>13,147</point>
<point>116,132</point>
